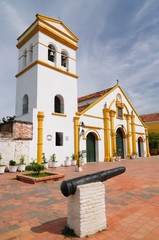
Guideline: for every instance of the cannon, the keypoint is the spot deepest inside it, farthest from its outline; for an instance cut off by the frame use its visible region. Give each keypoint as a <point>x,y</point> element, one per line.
<point>69,187</point>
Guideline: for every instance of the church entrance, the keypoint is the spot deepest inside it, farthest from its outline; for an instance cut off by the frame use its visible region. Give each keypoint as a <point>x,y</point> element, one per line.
<point>140,147</point>
<point>119,143</point>
<point>90,146</point>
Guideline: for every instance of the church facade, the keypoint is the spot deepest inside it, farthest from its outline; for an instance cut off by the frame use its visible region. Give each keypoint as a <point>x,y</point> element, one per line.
<point>101,124</point>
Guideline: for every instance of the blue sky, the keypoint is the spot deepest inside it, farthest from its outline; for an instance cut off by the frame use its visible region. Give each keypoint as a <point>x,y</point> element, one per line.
<point>118,39</point>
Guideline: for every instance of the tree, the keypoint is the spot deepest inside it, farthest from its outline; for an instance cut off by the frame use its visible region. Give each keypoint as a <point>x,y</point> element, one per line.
<point>7,119</point>
<point>153,140</point>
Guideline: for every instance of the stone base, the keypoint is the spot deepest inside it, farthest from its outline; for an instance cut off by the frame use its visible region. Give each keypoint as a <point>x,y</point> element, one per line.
<point>86,209</point>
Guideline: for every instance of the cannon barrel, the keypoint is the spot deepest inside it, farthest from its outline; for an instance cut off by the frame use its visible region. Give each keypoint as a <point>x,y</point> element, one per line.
<point>69,187</point>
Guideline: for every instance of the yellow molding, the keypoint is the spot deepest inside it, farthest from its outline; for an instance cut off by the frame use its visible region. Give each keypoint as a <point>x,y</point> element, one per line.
<point>26,69</point>
<point>46,65</point>
<point>97,136</point>
<point>40,117</point>
<point>40,17</point>
<point>41,28</point>
<point>140,133</point>
<point>139,125</point>
<point>59,114</point>
<point>27,37</point>
<point>86,115</point>
<point>97,101</point>
<point>56,29</point>
<point>92,127</point>
<point>111,103</point>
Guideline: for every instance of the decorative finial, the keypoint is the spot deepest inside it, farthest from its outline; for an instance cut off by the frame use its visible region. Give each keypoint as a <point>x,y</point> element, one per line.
<point>117,81</point>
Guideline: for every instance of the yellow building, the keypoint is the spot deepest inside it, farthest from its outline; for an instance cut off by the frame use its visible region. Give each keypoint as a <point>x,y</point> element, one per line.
<point>152,122</point>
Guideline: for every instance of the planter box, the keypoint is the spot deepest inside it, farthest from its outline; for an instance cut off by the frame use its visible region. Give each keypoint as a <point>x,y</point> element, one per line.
<point>13,169</point>
<point>21,167</point>
<point>33,180</point>
<point>55,164</point>
<point>2,169</point>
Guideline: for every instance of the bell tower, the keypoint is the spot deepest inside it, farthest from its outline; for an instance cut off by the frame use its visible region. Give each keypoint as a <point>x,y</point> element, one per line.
<point>47,80</point>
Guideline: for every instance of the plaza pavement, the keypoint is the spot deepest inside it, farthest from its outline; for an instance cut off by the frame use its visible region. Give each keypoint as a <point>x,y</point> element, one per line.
<point>39,211</point>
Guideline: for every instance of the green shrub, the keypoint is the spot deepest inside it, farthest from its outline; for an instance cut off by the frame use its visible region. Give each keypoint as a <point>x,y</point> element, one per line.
<point>29,168</point>
<point>22,159</point>
<point>12,163</point>
<point>37,168</point>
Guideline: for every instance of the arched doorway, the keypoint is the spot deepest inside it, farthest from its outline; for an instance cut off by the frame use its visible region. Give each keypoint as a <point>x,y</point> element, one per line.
<point>140,141</point>
<point>119,142</point>
<point>90,146</point>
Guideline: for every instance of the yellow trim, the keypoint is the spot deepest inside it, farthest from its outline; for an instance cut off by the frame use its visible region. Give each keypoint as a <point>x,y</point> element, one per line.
<point>86,115</point>
<point>147,143</point>
<point>46,65</point>
<point>97,101</point>
<point>91,127</point>
<point>139,136</point>
<point>97,136</point>
<point>140,133</point>
<point>76,138</point>
<point>133,133</point>
<point>139,125</point>
<point>113,133</point>
<point>58,30</point>
<point>41,28</point>
<point>40,17</point>
<point>111,104</point>
<point>126,108</point>
<point>106,135</point>
<point>59,114</point>
<point>127,116</point>
<point>40,117</point>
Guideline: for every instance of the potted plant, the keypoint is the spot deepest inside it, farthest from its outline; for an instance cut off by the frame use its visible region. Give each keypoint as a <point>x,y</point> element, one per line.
<point>21,165</point>
<point>82,155</point>
<point>118,154</point>
<point>2,167</point>
<point>73,161</point>
<point>44,162</point>
<point>53,160</point>
<point>12,166</point>
<point>67,162</point>
<point>113,158</point>
<point>133,155</point>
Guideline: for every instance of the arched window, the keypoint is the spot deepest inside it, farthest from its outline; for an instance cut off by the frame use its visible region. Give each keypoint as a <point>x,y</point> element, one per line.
<point>58,104</point>
<point>25,58</point>
<point>31,53</point>
<point>51,53</point>
<point>25,103</point>
<point>64,59</point>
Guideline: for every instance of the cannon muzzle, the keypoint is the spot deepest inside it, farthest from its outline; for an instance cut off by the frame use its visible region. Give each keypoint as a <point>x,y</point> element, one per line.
<point>69,187</point>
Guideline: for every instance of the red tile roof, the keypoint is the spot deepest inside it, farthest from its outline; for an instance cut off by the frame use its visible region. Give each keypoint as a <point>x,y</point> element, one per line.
<point>150,117</point>
<point>94,95</point>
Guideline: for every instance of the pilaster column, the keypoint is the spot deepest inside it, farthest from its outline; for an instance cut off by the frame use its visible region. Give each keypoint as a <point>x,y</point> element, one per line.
<point>133,133</point>
<point>40,117</point>
<point>147,143</point>
<point>76,138</point>
<point>127,117</point>
<point>113,134</point>
<point>106,134</point>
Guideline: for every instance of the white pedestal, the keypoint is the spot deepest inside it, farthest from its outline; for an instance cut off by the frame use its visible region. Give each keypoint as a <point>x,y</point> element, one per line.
<point>86,209</point>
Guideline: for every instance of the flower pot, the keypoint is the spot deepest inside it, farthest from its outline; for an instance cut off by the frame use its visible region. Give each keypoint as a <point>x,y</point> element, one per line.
<point>21,167</point>
<point>133,156</point>
<point>113,159</point>
<point>50,164</point>
<point>45,165</point>
<point>73,162</point>
<point>118,158</point>
<point>55,164</point>
<point>2,169</point>
<point>67,163</point>
<point>82,161</point>
<point>13,169</point>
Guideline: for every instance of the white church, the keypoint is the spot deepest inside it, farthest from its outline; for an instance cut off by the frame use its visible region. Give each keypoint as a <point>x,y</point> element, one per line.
<point>46,95</point>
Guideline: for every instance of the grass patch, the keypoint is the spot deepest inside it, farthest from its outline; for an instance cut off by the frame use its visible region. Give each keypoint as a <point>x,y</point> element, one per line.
<point>56,179</point>
<point>68,232</point>
<point>35,175</point>
<point>14,178</point>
